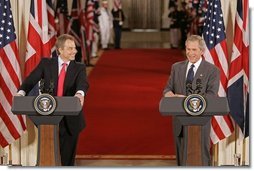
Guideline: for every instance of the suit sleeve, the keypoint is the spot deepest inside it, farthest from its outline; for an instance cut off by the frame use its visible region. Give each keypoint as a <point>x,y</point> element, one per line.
<point>213,82</point>
<point>170,83</point>
<point>81,80</point>
<point>34,77</point>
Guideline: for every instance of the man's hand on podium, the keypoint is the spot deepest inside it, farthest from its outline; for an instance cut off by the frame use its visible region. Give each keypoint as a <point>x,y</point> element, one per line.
<point>81,98</point>
<point>171,94</point>
<point>20,93</point>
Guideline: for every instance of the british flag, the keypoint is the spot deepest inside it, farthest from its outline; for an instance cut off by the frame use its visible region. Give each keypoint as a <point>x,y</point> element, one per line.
<point>217,54</point>
<point>238,84</point>
<point>41,39</point>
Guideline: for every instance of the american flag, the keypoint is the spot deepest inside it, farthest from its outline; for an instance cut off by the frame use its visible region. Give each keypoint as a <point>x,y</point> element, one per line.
<point>238,84</point>
<point>217,54</point>
<point>11,126</point>
<point>40,42</point>
<point>62,17</point>
<point>77,28</point>
<point>90,22</point>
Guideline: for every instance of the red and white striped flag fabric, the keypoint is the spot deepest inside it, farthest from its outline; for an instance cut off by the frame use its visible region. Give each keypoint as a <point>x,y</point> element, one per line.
<point>62,17</point>
<point>89,23</point>
<point>117,5</point>
<point>40,41</point>
<point>217,54</point>
<point>11,126</point>
<point>51,24</point>
<point>238,84</point>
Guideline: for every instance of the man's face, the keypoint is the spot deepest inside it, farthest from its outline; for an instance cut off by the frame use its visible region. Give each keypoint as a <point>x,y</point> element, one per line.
<point>105,4</point>
<point>68,51</point>
<point>193,51</point>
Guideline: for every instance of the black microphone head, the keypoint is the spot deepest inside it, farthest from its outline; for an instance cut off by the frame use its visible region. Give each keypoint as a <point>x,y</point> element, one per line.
<point>199,83</point>
<point>189,89</point>
<point>42,86</point>
<point>198,86</point>
<point>51,87</point>
<point>188,84</point>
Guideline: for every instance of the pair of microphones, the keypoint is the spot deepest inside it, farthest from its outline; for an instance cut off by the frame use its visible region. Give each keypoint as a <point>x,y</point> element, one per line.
<point>197,90</point>
<point>44,90</point>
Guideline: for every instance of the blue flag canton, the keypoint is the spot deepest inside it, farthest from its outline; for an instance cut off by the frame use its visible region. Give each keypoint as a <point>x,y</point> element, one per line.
<point>214,30</point>
<point>7,31</point>
<point>62,6</point>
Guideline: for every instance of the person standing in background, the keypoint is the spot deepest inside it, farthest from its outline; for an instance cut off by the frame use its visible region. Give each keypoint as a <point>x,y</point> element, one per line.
<point>118,19</point>
<point>96,29</point>
<point>105,23</point>
<point>184,24</point>
<point>175,34</point>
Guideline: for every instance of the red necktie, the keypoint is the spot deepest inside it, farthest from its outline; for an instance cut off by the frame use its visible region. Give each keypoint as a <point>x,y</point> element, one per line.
<point>61,78</point>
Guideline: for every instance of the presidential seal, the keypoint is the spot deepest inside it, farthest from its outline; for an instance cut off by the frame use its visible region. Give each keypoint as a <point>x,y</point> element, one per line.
<point>45,104</point>
<point>194,104</point>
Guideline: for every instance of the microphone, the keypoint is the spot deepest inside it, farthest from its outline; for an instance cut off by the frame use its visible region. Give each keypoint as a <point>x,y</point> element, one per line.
<point>42,86</point>
<point>189,89</point>
<point>51,87</point>
<point>48,90</point>
<point>198,86</point>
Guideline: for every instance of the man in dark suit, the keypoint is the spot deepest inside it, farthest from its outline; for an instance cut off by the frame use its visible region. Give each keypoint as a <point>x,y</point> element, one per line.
<point>197,68</point>
<point>118,19</point>
<point>72,83</point>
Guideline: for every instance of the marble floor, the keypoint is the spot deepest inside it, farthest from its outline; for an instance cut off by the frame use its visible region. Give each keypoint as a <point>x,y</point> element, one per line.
<point>126,163</point>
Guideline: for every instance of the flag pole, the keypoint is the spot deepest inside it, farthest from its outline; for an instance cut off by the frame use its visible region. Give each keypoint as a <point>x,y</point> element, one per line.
<point>236,133</point>
<point>236,136</point>
<point>10,154</point>
<point>215,154</point>
<point>244,152</point>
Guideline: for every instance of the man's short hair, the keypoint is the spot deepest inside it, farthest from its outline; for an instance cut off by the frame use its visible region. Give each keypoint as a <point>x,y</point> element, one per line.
<point>196,38</point>
<point>61,40</point>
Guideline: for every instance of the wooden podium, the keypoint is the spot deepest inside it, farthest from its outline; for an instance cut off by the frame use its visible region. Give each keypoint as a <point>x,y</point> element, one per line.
<point>48,130</point>
<point>194,125</point>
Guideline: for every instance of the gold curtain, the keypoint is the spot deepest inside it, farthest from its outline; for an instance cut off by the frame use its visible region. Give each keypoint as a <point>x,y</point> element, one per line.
<point>145,14</point>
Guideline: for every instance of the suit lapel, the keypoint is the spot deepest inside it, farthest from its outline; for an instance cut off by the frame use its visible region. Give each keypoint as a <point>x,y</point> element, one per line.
<point>182,76</point>
<point>200,72</point>
<point>54,71</point>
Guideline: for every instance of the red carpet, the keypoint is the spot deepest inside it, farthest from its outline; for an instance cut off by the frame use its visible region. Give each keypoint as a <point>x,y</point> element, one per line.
<point>122,104</point>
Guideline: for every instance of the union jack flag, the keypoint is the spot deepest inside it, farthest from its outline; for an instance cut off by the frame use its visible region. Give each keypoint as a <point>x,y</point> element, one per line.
<point>217,54</point>
<point>41,35</point>
<point>238,84</point>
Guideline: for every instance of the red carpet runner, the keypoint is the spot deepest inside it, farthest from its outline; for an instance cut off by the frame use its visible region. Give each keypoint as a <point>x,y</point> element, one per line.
<point>122,104</point>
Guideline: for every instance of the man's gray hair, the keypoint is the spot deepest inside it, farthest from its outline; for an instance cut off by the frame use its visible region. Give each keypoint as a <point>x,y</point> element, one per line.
<point>196,38</point>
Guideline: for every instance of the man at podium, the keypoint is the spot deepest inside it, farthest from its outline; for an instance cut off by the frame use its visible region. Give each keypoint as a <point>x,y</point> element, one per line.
<point>62,76</point>
<point>184,78</point>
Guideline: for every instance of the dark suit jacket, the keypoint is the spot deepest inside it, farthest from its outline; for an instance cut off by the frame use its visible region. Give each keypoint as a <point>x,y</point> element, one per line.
<point>75,80</point>
<point>207,72</point>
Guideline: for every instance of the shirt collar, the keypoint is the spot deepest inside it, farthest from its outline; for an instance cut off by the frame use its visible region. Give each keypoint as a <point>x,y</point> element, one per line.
<point>195,64</point>
<point>60,61</point>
